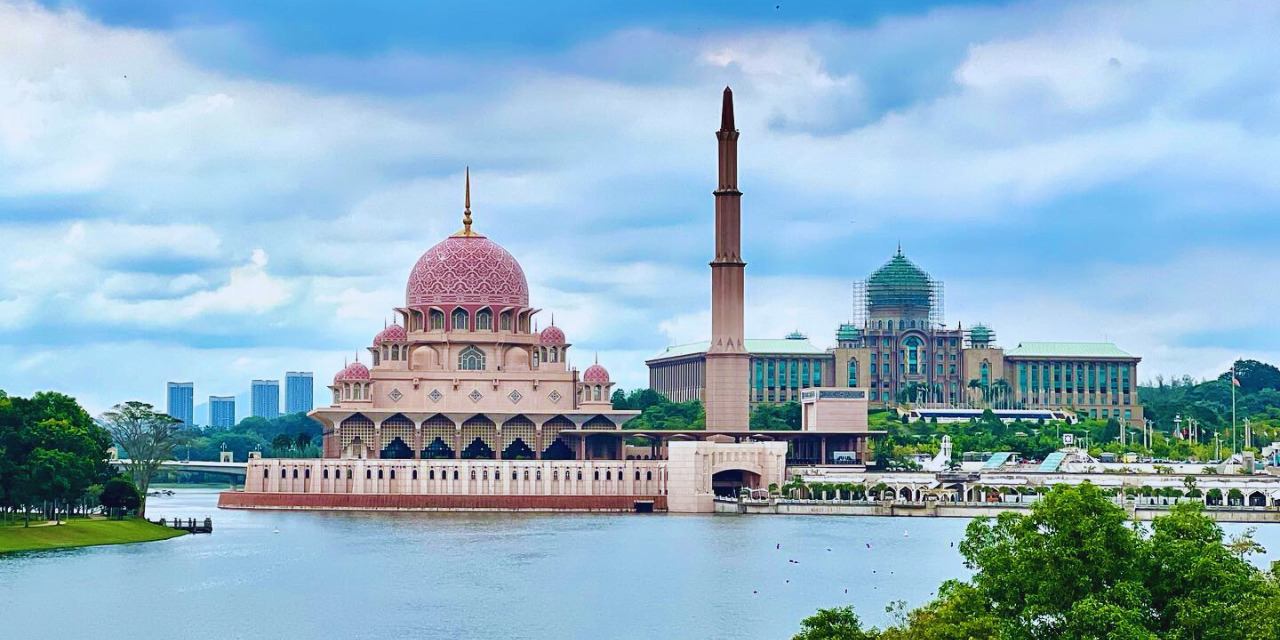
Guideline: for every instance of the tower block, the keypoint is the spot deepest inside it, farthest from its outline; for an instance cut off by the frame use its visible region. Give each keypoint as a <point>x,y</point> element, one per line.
<point>728,363</point>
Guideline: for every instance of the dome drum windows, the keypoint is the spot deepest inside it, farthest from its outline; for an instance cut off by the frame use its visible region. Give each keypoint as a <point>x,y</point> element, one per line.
<point>437,319</point>
<point>484,320</point>
<point>459,320</point>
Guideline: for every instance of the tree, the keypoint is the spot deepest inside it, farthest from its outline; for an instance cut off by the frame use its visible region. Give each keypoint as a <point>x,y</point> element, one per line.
<point>147,437</point>
<point>303,440</point>
<point>119,494</point>
<point>839,623</point>
<point>281,442</point>
<point>776,417</point>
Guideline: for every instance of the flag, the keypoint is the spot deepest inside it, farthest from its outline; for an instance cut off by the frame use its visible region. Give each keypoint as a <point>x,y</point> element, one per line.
<point>1234,379</point>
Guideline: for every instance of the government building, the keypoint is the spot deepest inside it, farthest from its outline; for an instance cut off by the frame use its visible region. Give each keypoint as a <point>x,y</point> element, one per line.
<point>900,350</point>
<point>462,405</point>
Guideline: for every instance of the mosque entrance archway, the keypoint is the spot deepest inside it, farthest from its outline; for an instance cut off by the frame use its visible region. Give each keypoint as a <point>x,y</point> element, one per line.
<point>730,482</point>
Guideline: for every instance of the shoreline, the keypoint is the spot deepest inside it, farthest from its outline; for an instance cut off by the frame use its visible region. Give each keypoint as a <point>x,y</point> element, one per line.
<point>1143,513</point>
<point>82,533</point>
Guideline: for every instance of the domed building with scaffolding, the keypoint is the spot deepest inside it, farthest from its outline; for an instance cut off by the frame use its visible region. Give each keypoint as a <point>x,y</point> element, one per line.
<point>899,347</point>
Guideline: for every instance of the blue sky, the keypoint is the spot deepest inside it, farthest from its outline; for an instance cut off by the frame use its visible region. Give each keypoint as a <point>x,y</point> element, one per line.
<point>225,191</point>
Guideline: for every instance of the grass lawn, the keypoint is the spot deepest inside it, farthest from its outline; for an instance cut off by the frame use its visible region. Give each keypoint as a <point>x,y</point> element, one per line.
<point>82,533</point>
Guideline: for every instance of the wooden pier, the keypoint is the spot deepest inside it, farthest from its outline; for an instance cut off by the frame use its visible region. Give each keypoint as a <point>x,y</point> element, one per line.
<point>190,525</point>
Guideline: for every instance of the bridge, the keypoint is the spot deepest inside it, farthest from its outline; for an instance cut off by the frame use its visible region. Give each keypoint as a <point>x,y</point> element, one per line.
<point>235,470</point>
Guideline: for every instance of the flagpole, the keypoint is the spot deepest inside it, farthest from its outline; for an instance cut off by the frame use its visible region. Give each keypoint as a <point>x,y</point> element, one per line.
<point>1234,383</point>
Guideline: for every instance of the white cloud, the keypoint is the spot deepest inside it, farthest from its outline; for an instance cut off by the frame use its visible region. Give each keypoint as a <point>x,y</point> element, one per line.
<point>176,182</point>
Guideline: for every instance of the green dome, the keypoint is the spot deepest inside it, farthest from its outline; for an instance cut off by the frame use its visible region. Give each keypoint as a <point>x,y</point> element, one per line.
<point>899,284</point>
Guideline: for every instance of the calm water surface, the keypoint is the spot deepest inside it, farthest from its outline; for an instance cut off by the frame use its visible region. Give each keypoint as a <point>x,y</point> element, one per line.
<point>344,575</point>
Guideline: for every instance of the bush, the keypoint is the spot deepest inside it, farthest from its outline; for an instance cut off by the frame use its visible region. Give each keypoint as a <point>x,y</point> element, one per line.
<point>120,494</point>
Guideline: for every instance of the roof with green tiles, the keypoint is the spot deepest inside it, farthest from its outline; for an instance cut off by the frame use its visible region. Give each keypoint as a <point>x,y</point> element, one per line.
<point>1066,350</point>
<point>782,347</point>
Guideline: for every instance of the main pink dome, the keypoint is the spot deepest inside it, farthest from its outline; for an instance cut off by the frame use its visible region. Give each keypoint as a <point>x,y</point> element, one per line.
<point>467,270</point>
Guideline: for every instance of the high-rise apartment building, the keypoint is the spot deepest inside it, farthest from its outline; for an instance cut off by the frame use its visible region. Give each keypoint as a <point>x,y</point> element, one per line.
<point>181,401</point>
<point>298,392</point>
<point>266,399</point>
<point>222,411</point>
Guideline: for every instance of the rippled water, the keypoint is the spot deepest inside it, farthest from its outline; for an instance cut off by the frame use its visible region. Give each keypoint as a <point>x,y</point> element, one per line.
<point>385,575</point>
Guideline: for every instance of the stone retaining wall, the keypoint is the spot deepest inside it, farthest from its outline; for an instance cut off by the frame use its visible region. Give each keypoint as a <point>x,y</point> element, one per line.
<point>380,502</point>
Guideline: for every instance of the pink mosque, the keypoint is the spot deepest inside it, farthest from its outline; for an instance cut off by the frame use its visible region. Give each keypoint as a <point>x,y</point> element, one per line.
<point>465,406</point>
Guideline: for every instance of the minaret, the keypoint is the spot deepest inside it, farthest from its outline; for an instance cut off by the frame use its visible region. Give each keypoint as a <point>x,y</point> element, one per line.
<point>728,363</point>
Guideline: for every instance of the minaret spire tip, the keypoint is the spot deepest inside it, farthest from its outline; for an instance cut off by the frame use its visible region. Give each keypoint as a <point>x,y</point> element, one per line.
<point>726,111</point>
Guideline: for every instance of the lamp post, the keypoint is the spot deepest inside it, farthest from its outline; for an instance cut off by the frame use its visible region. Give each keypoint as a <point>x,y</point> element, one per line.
<point>1177,425</point>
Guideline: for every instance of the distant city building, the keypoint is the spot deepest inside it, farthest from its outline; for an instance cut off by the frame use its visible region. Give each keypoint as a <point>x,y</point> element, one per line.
<point>222,411</point>
<point>266,399</point>
<point>181,401</point>
<point>298,391</point>
<point>899,348</point>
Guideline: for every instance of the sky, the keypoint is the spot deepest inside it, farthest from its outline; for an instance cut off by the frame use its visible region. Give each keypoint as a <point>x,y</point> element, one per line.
<point>221,191</point>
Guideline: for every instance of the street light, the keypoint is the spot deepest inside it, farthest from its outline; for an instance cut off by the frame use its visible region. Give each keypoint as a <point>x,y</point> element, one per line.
<point>1177,425</point>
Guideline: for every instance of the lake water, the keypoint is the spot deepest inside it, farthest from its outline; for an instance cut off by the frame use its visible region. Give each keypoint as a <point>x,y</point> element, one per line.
<point>403,575</point>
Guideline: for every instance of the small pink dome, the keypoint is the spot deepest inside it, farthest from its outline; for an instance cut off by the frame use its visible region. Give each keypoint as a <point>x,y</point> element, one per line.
<point>393,333</point>
<point>552,335</point>
<point>595,373</point>
<point>354,371</point>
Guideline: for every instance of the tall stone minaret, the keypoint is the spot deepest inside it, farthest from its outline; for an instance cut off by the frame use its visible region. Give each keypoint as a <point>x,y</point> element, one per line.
<point>728,363</point>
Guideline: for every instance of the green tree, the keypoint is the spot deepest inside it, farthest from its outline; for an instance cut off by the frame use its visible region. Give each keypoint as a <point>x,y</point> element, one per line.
<point>119,494</point>
<point>839,623</point>
<point>147,437</point>
<point>768,416</point>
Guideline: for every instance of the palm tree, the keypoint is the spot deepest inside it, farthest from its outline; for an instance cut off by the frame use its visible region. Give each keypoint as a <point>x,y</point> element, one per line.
<point>1000,389</point>
<point>974,384</point>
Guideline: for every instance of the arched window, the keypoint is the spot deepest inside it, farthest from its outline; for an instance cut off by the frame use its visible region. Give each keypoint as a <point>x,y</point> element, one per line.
<point>537,357</point>
<point>458,321</point>
<point>376,358</point>
<point>596,394</point>
<point>395,352</point>
<point>437,320</point>
<point>853,372</point>
<point>555,355</point>
<point>913,354</point>
<point>484,320</point>
<point>471,359</point>
<point>986,373</point>
<point>504,321</point>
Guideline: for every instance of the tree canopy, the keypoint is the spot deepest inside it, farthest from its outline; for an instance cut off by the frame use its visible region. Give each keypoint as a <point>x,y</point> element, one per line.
<point>51,451</point>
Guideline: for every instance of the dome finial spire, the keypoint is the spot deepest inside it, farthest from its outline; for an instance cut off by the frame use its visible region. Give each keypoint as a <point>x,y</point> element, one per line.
<point>899,246</point>
<point>466,209</point>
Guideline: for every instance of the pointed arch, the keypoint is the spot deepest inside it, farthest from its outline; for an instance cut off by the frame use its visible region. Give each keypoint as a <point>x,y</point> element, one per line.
<point>479,435</point>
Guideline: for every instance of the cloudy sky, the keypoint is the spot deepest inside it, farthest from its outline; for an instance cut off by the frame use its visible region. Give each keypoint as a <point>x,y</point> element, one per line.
<point>224,191</point>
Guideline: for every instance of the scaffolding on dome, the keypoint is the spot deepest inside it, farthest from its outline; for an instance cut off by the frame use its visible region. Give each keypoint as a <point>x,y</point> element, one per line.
<point>911,293</point>
<point>979,336</point>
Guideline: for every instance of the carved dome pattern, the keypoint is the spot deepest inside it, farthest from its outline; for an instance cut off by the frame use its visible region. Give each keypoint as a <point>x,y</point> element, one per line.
<point>354,371</point>
<point>595,373</point>
<point>393,333</point>
<point>551,335</point>
<point>467,270</point>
